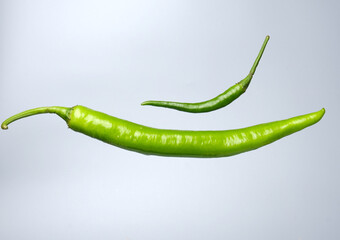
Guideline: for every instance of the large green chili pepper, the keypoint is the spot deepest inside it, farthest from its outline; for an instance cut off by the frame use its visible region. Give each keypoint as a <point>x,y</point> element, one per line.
<point>221,100</point>
<point>181,143</point>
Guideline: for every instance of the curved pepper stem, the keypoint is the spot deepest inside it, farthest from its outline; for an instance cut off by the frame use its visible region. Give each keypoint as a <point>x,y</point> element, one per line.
<point>246,81</point>
<point>257,60</point>
<point>63,112</point>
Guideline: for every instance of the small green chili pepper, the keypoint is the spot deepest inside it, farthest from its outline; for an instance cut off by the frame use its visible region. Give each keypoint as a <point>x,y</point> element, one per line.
<point>221,100</point>
<point>180,143</point>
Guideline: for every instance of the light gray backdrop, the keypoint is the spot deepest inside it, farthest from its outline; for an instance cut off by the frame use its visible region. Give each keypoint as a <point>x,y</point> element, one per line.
<point>111,56</point>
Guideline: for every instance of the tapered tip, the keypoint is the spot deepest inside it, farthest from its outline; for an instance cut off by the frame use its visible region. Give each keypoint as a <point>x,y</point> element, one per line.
<point>323,110</point>
<point>319,114</point>
<point>4,126</point>
<point>145,103</point>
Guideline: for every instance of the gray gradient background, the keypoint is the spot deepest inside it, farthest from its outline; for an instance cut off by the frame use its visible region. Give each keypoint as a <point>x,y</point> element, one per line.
<point>111,56</point>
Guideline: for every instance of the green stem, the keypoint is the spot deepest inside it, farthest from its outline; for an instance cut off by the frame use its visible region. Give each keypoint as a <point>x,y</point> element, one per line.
<point>257,60</point>
<point>246,81</point>
<point>63,112</point>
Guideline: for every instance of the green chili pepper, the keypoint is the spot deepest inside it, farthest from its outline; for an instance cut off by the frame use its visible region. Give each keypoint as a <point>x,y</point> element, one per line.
<point>221,100</point>
<point>181,143</point>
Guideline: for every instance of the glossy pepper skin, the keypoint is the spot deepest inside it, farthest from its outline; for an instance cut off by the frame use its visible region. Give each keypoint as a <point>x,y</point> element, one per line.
<point>218,102</point>
<point>179,143</point>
